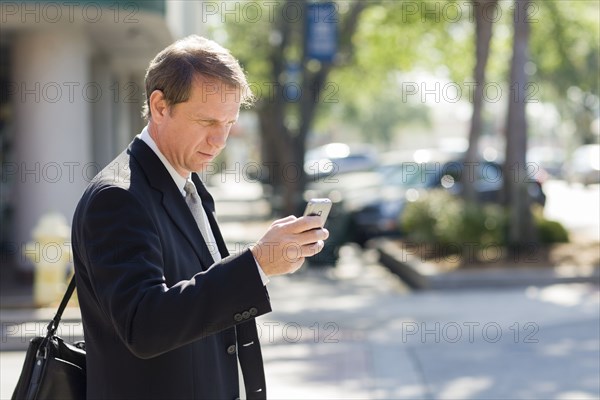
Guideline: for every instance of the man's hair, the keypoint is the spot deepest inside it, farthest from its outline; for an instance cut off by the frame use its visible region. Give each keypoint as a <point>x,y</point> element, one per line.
<point>174,69</point>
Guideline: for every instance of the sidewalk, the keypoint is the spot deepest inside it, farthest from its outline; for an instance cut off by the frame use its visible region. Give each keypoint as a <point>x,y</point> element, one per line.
<point>355,332</point>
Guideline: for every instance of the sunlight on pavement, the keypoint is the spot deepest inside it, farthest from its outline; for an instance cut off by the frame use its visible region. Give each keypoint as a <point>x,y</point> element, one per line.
<point>567,347</point>
<point>312,377</point>
<point>575,395</point>
<point>465,387</point>
<point>10,374</point>
<point>565,295</point>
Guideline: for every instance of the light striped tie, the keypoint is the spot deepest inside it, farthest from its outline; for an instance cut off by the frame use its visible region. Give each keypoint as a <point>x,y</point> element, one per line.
<point>195,204</point>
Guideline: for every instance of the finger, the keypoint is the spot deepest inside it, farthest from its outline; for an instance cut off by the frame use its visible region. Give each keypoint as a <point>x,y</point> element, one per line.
<point>310,250</point>
<point>306,223</point>
<point>288,219</point>
<point>294,253</point>
<point>312,236</point>
<point>297,265</point>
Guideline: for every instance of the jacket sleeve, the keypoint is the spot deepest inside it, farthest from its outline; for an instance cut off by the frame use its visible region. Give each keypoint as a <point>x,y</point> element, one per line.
<point>122,253</point>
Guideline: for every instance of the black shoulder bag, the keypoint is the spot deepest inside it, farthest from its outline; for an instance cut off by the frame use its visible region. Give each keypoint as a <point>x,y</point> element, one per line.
<point>53,369</point>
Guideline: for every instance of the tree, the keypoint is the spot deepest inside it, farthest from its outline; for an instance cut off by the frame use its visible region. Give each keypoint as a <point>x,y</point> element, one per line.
<point>391,38</point>
<point>380,39</point>
<point>483,36</point>
<point>286,118</point>
<point>521,228</point>
<point>565,51</point>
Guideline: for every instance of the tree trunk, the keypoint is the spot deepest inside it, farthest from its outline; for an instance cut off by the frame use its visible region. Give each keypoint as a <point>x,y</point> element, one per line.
<point>283,148</point>
<point>483,36</point>
<point>521,228</point>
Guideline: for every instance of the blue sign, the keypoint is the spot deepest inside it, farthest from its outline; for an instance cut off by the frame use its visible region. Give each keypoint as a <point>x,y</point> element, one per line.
<point>292,91</point>
<point>321,31</point>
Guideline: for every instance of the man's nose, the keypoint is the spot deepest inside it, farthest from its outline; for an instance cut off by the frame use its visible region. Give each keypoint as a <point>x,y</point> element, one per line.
<point>218,136</point>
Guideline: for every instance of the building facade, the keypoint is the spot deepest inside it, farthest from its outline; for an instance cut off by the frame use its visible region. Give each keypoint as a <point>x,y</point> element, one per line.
<point>71,76</point>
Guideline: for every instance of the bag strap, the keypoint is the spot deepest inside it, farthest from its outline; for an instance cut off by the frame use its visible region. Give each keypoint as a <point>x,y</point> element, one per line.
<point>53,325</point>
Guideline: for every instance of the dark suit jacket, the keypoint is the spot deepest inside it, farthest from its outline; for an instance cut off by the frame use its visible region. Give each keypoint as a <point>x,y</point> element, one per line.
<point>159,321</point>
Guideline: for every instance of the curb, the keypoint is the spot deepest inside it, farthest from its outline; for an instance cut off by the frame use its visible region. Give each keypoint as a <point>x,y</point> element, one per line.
<point>422,276</point>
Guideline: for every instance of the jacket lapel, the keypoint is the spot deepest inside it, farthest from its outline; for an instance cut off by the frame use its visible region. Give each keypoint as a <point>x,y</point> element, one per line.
<point>172,200</point>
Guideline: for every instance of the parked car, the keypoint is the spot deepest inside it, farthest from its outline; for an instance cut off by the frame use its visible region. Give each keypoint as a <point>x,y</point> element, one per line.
<point>369,203</point>
<point>335,171</point>
<point>350,190</point>
<point>547,158</point>
<point>334,159</point>
<point>584,166</point>
<point>410,180</point>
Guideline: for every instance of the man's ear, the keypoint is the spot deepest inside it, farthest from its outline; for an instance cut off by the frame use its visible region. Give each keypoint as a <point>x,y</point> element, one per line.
<point>158,106</point>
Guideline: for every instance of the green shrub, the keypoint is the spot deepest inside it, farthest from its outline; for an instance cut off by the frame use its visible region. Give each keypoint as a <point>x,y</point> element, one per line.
<point>548,231</point>
<point>442,218</point>
<point>551,231</point>
<point>418,221</point>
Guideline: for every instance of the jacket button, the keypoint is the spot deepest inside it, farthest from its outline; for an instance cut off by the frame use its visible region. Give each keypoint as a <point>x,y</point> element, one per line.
<point>238,317</point>
<point>231,349</point>
<point>253,311</point>
<point>246,314</point>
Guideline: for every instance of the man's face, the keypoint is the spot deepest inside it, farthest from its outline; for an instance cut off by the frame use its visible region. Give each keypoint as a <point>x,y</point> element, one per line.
<point>191,134</point>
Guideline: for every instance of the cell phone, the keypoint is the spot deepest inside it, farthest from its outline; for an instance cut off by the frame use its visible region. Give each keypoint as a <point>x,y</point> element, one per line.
<point>320,207</point>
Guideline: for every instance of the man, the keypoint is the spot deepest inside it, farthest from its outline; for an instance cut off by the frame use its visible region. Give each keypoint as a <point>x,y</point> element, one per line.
<point>166,311</point>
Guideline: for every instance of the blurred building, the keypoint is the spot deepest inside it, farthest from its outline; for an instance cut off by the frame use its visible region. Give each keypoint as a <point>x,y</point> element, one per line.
<point>71,76</point>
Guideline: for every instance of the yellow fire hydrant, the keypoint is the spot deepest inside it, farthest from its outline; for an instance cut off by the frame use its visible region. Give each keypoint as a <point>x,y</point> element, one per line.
<point>50,252</point>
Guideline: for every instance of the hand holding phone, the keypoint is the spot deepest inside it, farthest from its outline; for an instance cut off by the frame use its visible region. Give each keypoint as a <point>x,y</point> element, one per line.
<point>290,240</point>
<point>319,207</point>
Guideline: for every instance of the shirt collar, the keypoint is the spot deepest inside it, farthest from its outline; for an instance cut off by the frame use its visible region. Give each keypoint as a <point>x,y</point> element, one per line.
<point>178,179</point>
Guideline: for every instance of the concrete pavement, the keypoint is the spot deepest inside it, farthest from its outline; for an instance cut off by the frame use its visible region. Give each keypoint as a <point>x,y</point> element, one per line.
<point>356,332</point>
<point>384,342</point>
